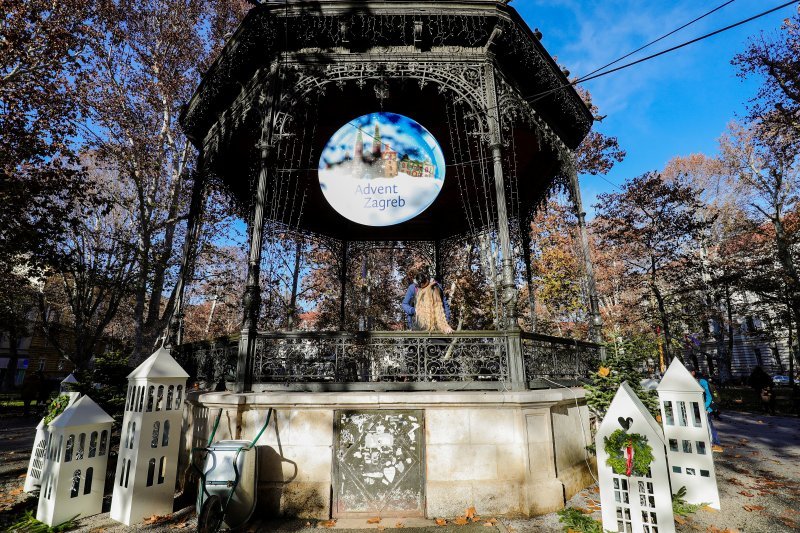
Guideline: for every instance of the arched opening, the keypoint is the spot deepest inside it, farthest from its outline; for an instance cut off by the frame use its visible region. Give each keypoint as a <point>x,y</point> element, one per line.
<point>76,484</point>
<point>170,391</point>
<point>162,469</point>
<point>151,471</point>
<point>92,445</point>
<point>87,484</point>
<point>150,397</point>
<point>70,447</point>
<point>160,398</point>
<point>103,439</point>
<point>154,440</point>
<point>165,436</point>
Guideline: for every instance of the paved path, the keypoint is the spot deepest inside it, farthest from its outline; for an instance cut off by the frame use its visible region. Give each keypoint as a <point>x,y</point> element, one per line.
<point>758,475</point>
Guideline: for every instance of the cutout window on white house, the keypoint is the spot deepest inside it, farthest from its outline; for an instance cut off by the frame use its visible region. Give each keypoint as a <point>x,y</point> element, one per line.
<point>154,440</point>
<point>151,390</point>
<point>649,522</point>
<point>127,473</point>
<point>646,494</point>
<point>103,439</point>
<point>705,473</point>
<point>162,469</point>
<point>87,483</point>
<point>160,398</point>
<point>58,451</point>
<point>621,490</point>
<point>673,445</point>
<point>683,420</point>
<point>165,434</point>
<point>132,435</point>
<point>81,445</point>
<point>141,399</point>
<point>178,396</point>
<point>151,472</point>
<point>690,472</point>
<point>687,446</point>
<point>122,472</point>
<point>76,484</point>
<point>70,446</point>
<point>676,469</point>
<point>624,524</point>
<point>701,447</point>
<point>170,392</point>
<point>669,414</point>
<point>696,415</point>
<point>93,444</point>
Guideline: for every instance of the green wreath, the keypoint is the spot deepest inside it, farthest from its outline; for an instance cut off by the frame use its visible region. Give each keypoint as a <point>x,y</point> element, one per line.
<point>642,452</point>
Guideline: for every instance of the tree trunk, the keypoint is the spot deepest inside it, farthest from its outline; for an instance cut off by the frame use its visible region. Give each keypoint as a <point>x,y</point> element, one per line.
<point>730,321</point>
<point>13,357</point>
<point>292,311</point>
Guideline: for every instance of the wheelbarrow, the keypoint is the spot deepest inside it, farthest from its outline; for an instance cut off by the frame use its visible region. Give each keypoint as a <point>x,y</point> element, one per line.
<point>228,481</point>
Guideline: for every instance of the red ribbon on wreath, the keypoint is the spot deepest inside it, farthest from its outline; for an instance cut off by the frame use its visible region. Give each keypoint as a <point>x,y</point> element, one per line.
<point>628,458</point>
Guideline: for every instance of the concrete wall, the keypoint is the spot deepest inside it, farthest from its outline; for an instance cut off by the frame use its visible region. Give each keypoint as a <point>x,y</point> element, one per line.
<point>506,453</point>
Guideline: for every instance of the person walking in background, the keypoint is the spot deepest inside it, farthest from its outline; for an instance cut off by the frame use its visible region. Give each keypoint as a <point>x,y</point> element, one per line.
<point>425,304</point>
<point>708,398</point>
<point>762,384</point>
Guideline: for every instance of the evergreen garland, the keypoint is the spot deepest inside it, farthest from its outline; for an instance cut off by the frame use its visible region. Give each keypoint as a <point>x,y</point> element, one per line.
<point>642,452</point>
<point>623,363</point>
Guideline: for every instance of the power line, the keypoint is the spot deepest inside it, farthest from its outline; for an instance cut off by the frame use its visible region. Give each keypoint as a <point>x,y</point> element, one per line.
<point>539,96</point>
<point>676,30</point>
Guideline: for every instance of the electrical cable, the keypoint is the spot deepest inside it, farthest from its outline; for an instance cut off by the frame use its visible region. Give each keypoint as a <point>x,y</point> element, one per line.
<point>539,96</point>
<point>583,429</point>
<point>676,30</point>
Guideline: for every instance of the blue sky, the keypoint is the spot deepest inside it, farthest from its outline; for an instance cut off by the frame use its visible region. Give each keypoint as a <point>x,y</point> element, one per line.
<point>676,104</point>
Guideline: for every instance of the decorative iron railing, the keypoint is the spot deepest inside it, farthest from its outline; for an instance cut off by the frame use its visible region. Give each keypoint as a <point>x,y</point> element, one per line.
<point>397,360</point>
<point>548,359</point>
<point>380,357</point>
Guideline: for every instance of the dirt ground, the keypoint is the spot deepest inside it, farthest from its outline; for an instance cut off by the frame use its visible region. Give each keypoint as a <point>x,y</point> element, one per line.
<point>758,475</point>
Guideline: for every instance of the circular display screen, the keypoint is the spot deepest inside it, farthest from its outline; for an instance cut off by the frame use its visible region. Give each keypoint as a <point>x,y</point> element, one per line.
<point>381,169</point>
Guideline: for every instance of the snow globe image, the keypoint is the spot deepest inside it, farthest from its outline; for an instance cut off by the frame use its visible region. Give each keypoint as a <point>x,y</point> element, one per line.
<point>381,169</point>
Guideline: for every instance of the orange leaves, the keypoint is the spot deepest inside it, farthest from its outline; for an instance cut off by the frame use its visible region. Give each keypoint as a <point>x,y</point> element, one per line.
<point>751,508</point>
<point>441,522</point>
<point>327,523</point>
<point>461,521</point>
<point>376,520</point>
<point>471,513</point>
<point>157,519</point>
<point>745,493</point>
<point>399,525</point>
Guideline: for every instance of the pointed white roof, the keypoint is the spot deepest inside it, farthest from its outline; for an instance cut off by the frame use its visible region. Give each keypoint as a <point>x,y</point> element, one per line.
<point>159,365</point>
<point>626,402</point>
<point>81,413</point>
<point>70,379</point>
<point>678,379</point>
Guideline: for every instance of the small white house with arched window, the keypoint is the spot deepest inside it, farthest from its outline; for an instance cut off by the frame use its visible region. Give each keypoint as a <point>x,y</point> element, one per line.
<point>144,484</point>
<point>686,431</point>
<point>75,461</point>
<point>33,479</point>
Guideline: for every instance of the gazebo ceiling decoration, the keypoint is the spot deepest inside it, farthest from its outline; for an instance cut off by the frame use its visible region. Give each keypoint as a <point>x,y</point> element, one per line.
<point>451,63</point>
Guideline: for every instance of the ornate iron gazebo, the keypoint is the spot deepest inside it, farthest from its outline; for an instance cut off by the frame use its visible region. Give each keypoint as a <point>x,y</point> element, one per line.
<point>478,77</point>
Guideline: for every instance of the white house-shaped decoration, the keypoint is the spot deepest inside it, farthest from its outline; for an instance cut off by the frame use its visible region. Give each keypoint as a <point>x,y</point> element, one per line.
<point>148,451</point>
<point>687,435</point>
<point>634,504</point>
<point>75,463</point>
<point>33,479</point>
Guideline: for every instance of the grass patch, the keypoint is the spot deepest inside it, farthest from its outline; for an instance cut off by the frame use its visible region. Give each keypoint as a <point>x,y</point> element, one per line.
<point>575,520</point>
<point>28,524</point>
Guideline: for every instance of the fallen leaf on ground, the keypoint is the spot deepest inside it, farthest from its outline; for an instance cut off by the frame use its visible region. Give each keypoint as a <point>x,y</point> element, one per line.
<point>399,525</point>
<point>327,523</point>
<point>156,519</point>
<point>441,522</point>
<point>708,509</point>
<point>488,524</point>
<point>471,512</point>
<point>22,476</point>
<point>375,520</point>
<point>460,521</point>
<point>679,519</point>
<point>476,518</point>
<point>179,525</point>
<point>745,493</point>
<point>15,492</point>
<point>492,521</point>
<point>753,507</point>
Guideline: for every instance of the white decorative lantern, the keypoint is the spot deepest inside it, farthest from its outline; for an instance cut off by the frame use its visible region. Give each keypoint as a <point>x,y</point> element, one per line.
<point>148,451</point>
<point>634,503</point>
<point>686,431</point>
<point>33,479</point>
<point>67,383</point>
<point>75,462</point>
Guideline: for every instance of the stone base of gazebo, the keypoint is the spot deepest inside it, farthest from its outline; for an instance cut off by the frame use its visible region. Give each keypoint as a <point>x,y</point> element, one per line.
<point>505,453</point>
